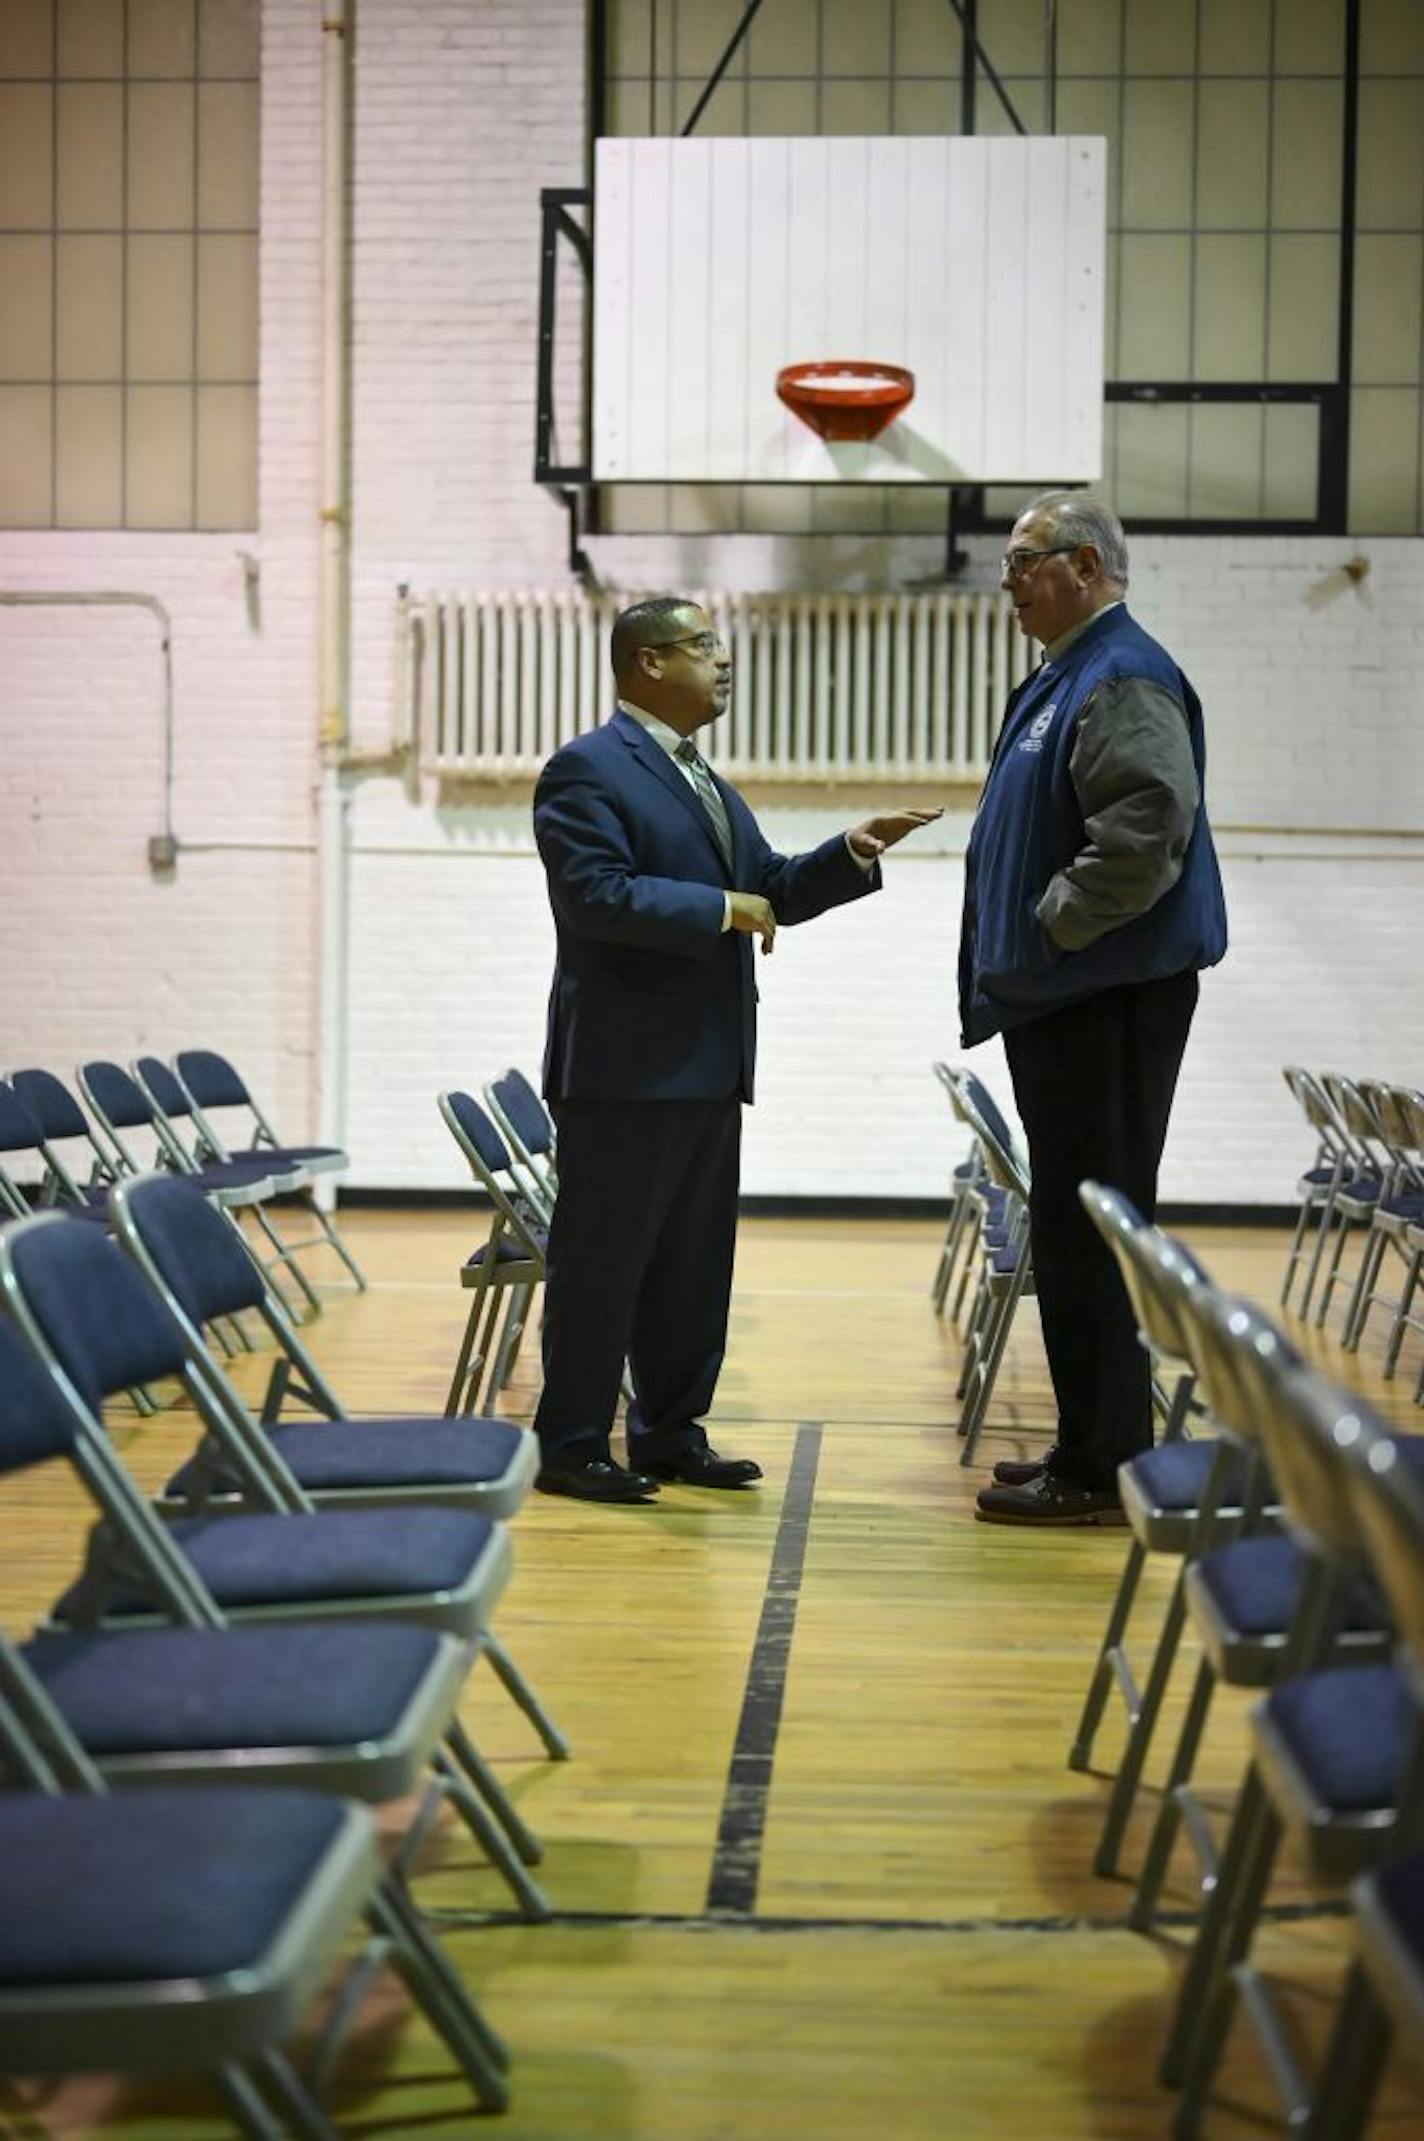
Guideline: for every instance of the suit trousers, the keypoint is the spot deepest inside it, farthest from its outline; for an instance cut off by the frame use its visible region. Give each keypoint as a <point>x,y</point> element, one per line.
<point>639,1269</point>
<point>1094,1083</point>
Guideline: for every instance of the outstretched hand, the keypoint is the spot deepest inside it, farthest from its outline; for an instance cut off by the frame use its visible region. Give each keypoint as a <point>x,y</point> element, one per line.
<point>876,834</point>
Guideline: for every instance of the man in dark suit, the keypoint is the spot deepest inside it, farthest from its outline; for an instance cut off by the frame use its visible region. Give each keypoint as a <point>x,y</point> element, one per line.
<point>659,879</point>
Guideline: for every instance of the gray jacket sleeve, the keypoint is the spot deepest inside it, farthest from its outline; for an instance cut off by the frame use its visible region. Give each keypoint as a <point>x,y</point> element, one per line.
<point>1136,784</point>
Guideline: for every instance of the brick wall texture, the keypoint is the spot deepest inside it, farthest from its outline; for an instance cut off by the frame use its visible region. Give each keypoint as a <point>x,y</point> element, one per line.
<point>1316,772</point>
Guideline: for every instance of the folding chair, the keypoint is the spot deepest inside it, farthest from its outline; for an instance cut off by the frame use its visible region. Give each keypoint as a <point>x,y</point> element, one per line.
<point>356,1707</point>
<point>1179,1497</point>
<point>1383,1998</point>
<point>1355,1200</point>
<point>1243,1596</point>
<point>176,1930</point>
<point>62,1121</point>
<point>212,1085</point>
<point>506,1267</point>
<point>118,1103</point>
<point>19,1133</point>
<point>93,1323</point>
<point>528,1130</point>
<point>1335,1164</point>
<point>202,1269</point>
<point>1336,1752</point>
<point>1398,1208</point>
<point>172,1108</point>
<point>968,1182</point>
<point>1007,1266</point>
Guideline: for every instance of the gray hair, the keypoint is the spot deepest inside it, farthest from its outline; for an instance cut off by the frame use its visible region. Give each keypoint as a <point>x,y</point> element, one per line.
<point>1077,517</point>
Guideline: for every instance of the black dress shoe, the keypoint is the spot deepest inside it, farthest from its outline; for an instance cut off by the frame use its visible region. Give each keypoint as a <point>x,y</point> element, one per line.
<point>703,1468</point>
<point>600,1480</point>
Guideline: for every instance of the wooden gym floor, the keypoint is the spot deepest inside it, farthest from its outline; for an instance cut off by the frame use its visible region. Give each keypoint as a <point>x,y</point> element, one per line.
<point>818,1865</point>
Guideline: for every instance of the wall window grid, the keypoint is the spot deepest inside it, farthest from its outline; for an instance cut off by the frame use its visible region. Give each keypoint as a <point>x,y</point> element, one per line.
<point>128,263</point>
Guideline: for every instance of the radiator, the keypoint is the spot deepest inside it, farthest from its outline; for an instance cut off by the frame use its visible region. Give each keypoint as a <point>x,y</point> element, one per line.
<point>824,687</point>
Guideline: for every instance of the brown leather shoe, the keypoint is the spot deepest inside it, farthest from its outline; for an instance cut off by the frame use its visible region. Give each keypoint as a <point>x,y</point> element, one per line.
<point>1022,1471</point>
<point>1047,1500</point>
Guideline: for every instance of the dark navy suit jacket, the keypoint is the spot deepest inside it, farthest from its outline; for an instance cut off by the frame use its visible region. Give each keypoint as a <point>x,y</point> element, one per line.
<point>652,999</point>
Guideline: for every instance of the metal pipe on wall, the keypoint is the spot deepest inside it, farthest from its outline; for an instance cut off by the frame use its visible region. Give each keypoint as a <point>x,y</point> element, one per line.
<point>338,19</point>
<point>163,845</point>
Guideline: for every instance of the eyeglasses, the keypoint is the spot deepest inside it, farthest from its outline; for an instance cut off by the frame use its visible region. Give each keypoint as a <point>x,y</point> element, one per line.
<point>1015,563</point>
<point>706,645</point>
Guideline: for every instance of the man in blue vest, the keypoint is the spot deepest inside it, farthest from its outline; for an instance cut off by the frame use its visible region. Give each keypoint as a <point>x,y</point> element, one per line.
<point>1092,900</point>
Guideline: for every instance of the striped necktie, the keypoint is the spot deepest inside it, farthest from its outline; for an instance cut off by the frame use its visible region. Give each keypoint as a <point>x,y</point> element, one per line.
<point>708,794</point>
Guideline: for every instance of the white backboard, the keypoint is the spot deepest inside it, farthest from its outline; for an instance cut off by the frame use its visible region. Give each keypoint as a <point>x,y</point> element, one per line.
<point>977,263</point>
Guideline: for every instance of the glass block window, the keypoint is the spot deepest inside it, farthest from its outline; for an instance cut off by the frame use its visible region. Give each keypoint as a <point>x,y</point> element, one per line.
<point>128,263</point>
<point>1225,124</point>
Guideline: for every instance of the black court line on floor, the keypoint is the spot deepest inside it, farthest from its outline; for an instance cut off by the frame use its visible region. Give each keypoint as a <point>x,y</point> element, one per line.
<point>1170,1921</point>
<point>736,1858</point>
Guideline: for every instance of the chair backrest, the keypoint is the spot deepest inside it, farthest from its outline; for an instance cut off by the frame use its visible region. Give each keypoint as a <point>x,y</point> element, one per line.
<point>210,1079</point>
<point>1315,1104</point>
<point>19,1130</point>
<point>525,1112</point>
<point>52,1104</point>
<point>35,1423</point>
<point>488,1158</point>
<point>90,1308</point>
<point>163,1088</point>
<point>1001,1162</point>
<point>1294,1410</point>
<point>1385,1479</point>
<point>1357,1116</point>
<point>187,1247</point>
<point>981,1098</point>
<point>1173,1278</point>
<point>1120,1223</point>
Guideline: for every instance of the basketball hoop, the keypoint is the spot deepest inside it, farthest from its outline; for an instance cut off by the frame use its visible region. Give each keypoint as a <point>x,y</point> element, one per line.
<point>846,398</point>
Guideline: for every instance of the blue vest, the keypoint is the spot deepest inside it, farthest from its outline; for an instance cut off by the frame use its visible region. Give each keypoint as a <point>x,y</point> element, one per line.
<point>1029,827</point>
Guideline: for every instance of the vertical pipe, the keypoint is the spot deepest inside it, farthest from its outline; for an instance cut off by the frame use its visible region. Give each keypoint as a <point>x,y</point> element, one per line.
<point>334,602</point>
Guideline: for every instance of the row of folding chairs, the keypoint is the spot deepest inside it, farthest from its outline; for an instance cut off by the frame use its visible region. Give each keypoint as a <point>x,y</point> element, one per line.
<point>1365,1184</point>
<point>1297,1528</point>
<point>985,1258</point>
<point>196,1117</point>
<point>510,1147</point>
<point>298,1610</point>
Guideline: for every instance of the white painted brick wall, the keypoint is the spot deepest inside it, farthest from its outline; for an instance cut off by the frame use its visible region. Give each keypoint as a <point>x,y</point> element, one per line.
<point>463,114</point>
<point>99,959</point>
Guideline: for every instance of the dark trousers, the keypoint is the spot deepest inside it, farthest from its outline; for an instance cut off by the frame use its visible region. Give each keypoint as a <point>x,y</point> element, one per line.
<point>640,1269</point>
<point>1094,1085</point>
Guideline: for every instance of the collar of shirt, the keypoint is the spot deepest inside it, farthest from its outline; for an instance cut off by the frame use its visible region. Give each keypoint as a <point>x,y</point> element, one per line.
<point>667,739</point>
<point>1061,645</point>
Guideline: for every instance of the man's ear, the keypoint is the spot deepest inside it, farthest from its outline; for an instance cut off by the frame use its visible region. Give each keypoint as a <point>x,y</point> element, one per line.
<point>649,661</point>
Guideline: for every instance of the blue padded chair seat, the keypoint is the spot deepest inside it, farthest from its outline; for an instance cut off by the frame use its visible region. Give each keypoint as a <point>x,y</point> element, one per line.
<point>389,1453</point>
<point>154,1884</point>
<point>157,1690</point>
<point>1350,1731</point>
<point>1316,1178</point>
<point>1255,1586</point>
<point>1364,1189</point>
<point>505,1252</point>
<point>1005,1261</point>
<point>1408,1206</point>
<point>376,1555</point>
<point>1174,1475</point>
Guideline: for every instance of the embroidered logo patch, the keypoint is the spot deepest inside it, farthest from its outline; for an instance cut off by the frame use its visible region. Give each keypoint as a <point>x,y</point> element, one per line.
<point>1042,723</point>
